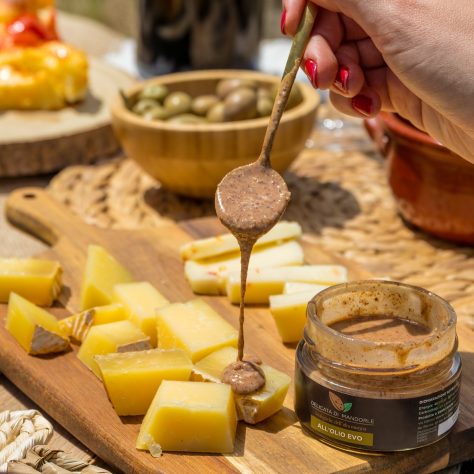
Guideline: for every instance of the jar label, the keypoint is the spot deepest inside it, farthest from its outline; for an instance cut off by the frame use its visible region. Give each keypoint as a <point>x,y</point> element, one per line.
<point>376,424</point>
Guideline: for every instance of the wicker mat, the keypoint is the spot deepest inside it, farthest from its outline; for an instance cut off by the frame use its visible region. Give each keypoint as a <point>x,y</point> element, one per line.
<point>340,198</point>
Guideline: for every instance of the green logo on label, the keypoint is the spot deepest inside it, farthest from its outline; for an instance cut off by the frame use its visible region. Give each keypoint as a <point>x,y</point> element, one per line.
<point>347,407</point>
<point>338,404</point>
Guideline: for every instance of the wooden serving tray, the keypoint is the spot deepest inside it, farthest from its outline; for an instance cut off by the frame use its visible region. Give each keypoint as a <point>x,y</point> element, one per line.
<point>68,392</point>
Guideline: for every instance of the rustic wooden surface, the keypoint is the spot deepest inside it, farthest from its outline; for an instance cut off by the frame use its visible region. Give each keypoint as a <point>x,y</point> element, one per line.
<point>69,393</point>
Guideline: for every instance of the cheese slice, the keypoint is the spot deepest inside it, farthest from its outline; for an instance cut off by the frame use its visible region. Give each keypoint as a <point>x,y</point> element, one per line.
<point>132,378</point>
<point>39,281</point>
<point>102,272</point>
<point>261,283</point>
<point>227,243</point>
<point>289,313</point>
<point>256,406</point>
<point>194,327</point>
<point>209,276</point>
<point>296,287</point>
<point>77,326</point>
<point>36,330</point>
<point>190,416</point>
<point>121,336</point>
<point>141,299</point>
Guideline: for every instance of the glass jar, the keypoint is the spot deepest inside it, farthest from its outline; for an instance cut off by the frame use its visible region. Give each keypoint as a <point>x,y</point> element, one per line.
<point>368,390</point>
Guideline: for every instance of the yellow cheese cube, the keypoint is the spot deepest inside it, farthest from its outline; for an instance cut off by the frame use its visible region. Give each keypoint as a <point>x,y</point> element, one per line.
<point>121,336</point>
<point>132,378</point>
<point>141,300</point>
<point>78,325</point>
<point>39,281</point>
<point>36,330</point>
<point>194,327</point>
<point>190,416</point>
<point>295,287</point>
<point>226,243</point>
<point>261,283</point>
<point>289,313</point>
<point>256,406</point>
<point>101,274</point>
<point>209,276</point>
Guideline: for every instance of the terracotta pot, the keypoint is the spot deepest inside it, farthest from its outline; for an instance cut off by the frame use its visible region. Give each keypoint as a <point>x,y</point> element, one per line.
<point>433,187</point>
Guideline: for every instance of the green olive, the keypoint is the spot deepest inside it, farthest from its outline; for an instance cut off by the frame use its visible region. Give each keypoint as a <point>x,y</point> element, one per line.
<point>226,86</point>
<point>265,93</point>
<point>216,113</point>
<point>241,104</point>
<point>154,91</point>
<point>143,105</point>
<point>187,118</point>
<point>203,103</point>
<point>264,106</point>
<point>156,113</point>
<point>178,103</point>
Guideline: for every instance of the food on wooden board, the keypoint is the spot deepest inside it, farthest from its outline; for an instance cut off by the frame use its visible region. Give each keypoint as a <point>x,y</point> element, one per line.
<point>289,313</point>
<point>227,243</point>
<point>121,336</point>
<point>264,282</point>
<point>209,276</point>
<point>141,300</point>
<point>190,416</point>
<point>36,330</point>
<point>254,407</point>
<point>297,287</point>
<point>39,281</point>
<point>132,378</point>
<point>77,325</point>
<point>102,272</point>
<point>195,327</point>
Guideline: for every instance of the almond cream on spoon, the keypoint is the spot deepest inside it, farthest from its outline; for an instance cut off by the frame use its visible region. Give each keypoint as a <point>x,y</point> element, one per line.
<point>251,199</point>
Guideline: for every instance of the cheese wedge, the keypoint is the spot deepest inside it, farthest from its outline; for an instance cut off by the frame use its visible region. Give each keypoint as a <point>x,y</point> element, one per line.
<point>194,327</point>
<point>289,313</point>
<point>121,336</point>
<point>261,283</point>
<point>190,416</point>
<point>36,330</point>
<point>227,243</point>
<point>39,281</point>
<point>209,276</point>
<point>77,326</point>
<point>141,300</point>
<point>295,287</point>
<point>101,274</point>
<point>132,378</point>
<point>256,406</point>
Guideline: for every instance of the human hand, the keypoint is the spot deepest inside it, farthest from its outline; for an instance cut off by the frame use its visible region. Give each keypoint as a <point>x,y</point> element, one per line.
<point>415,58</point>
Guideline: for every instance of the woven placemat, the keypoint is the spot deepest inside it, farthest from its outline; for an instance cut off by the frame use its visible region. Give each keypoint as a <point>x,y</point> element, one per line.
<point>341,199</point>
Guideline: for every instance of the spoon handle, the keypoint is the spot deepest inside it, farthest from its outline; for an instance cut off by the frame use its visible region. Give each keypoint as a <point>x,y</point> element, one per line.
<point>291,69</point>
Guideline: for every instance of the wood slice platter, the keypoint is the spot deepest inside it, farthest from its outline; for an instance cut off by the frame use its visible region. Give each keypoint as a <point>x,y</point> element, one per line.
<point>68,392</point>
<point>35,142</point>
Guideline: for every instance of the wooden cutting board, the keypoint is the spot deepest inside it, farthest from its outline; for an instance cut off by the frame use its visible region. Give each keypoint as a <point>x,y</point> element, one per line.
<point>75,398</point>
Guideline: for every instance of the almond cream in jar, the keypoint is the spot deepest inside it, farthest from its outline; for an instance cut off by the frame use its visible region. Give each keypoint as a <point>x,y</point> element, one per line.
<point>378,368</point>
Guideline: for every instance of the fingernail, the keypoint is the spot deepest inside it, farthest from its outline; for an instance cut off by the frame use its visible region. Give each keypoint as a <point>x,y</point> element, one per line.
<point>362,104</point>
<point>282,22</point>
<point>342,79</point>
<point>311,70</point>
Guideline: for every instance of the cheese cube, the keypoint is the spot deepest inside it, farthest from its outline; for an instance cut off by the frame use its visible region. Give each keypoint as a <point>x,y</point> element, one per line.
<point>261,283</point>
<point>141,300</point>
<point>121,336</point>
<point>226,243</point>
<point>209,276</point>
<point>194,327</point>
<point>36,330</point>
<point>77,326</point>
<point>190,416</point>
<point>132,378</point>
<point>295,287</point>
<point>39,281</point>
<point>101,274</point>
<point>289,313</point>
<point>254,407</point>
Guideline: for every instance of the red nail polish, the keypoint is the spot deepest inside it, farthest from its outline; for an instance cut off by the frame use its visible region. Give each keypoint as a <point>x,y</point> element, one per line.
<point>311,70</point>
<point>342,79</point>
<point>362,104</point>
<point>283,21</point>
